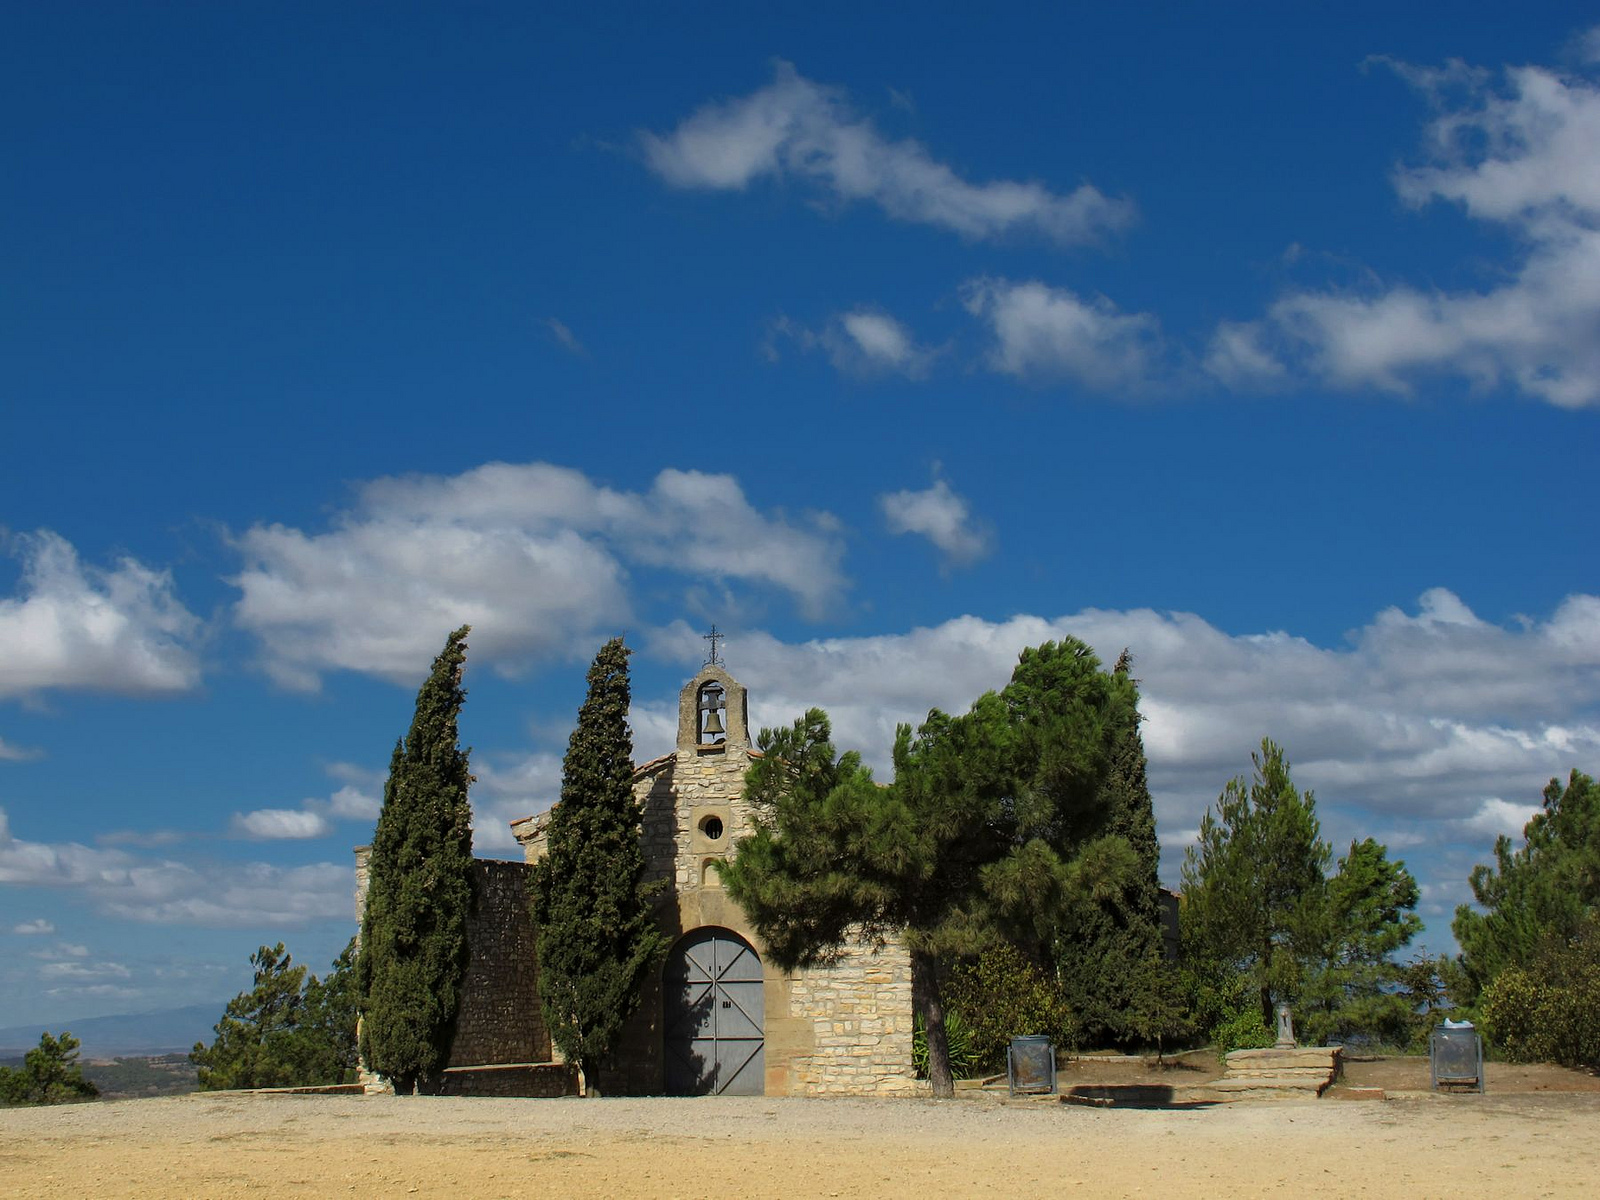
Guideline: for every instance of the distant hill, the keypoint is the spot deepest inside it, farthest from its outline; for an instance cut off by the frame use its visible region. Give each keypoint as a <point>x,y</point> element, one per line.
<point>171,1030</point>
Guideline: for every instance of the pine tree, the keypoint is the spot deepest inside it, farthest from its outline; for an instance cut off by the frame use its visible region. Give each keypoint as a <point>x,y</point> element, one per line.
<point>1259,906</point>
<point>597,936</point>
<point>1356,988</point>
<point>988,833</point>
<point>289,1030</point>
<point>50,1074</point>
<point>1546,888</point>
<point>419,891</point>
<point>1253,886</point>
<point>257,1042</point>
<point>1110,944</point>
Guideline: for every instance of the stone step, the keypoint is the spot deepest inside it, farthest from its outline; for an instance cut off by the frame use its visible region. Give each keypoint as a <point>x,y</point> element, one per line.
<point>1266,1072</point>
<point>1223,1090</point>
<point>1281,1083</point>
<point>1310,1056</point>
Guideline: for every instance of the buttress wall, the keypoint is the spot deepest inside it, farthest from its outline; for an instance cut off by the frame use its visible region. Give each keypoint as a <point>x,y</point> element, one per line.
<point>500,1019</point>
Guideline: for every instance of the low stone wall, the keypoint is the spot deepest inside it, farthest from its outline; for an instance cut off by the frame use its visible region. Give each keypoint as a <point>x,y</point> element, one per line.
<point>513,1080</point>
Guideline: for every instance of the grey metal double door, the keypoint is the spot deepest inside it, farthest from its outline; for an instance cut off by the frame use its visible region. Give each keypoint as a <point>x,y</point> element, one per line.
<point>712,1018</point>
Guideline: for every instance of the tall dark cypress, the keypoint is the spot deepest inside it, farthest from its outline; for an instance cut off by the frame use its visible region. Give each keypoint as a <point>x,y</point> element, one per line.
<point>1108,945</point>
<point>597,937</point>
<point>419,890</point>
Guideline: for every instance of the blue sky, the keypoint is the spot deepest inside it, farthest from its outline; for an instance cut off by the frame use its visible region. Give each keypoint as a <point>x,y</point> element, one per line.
<point>1263,340</point>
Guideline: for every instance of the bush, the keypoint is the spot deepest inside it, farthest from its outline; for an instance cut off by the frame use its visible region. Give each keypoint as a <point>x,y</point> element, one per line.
<point>1550,1012</point>
<point>1244,1030</point>
<point>958,1039</point>
<point>1001,996</point>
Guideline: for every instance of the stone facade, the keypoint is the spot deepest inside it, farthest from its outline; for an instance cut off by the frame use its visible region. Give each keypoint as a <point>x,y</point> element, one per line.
<point>500,1020</point>
<point>859,1010</point>
<point>844,1029</point>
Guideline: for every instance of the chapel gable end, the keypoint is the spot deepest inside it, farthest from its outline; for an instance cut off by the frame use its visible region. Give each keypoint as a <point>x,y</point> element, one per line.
<point>713,714</point>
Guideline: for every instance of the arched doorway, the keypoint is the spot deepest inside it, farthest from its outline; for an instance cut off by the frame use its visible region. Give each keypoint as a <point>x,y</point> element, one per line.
<point>712,1016</point>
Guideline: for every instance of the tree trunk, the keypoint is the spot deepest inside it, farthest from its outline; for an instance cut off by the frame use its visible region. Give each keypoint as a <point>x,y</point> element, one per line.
<point>1267,1014</point>
<point>925,994</point>
<point>591,1078</point>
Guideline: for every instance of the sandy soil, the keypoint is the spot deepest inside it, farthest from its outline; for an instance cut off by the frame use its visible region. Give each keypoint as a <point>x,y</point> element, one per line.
<point>1506,1144</point>
<point>1401,1074</point>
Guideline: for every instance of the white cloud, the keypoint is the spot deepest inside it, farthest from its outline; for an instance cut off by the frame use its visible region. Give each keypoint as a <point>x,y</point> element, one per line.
<point>353,804</point>
<point>166,891</point>
<point>940,515</point>
<point>862,342</point>
<point>361,797</point>
<point>1521,157</point>
<point>508,789</point>
<point>33,928</point>
<point>1041,332</point>
<point>866,342</point>
<point>1589,45</point>
<point>11,753</point>
<point>1240,358</point>
<point>83,627</point>
<point>231,896</point>
<point>59,971</point>
<point>1433,724</point>
<point>881,342</point>
<point>565,337</point>
<point>267,824</point>
<point>1496,817</point>
<point>62,950</point>
<point>358,800</point>
<point>531,555</point>
<point>799,131</point>
<point>99,991</point>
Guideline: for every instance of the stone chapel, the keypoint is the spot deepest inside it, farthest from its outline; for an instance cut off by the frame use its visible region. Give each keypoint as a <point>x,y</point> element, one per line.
<point>716,1017</point>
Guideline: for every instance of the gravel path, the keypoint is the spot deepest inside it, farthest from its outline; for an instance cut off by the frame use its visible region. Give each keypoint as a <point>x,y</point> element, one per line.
<point>253,1145</point>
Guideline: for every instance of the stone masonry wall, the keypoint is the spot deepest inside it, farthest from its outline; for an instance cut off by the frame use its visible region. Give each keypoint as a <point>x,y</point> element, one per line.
<point>500,1019</point>
<point>678,801</point>
<point>860,1011</point>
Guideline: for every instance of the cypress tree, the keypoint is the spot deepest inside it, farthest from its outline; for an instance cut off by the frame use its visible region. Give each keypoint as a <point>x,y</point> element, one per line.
<point>419,891</point>
<point>1110,943</point>
<point>597,937</point>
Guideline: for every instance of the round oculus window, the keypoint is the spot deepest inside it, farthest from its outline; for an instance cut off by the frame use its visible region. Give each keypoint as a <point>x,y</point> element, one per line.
<point>712,828</point>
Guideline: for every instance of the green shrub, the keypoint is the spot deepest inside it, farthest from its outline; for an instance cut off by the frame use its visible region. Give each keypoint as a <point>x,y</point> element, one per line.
<point>958,1039</point>
<point>1244,1030</point>
<point>1001,996</point>
<point>1550,1012</point>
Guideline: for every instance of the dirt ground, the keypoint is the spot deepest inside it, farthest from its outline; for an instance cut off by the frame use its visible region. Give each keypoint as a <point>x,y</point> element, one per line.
<point>1393,1074</point>
<point>1507,1143</point>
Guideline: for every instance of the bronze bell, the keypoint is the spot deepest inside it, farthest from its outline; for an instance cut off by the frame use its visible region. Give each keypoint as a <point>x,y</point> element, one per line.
<point>714,721</point>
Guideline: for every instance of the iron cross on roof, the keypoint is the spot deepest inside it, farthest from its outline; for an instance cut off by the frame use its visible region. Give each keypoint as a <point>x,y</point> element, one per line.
<point>713,637</point>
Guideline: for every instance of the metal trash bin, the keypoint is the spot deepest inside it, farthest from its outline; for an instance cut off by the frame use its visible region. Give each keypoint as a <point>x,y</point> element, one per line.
<point>1031,1066</point>
<point>1455,1055</point>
